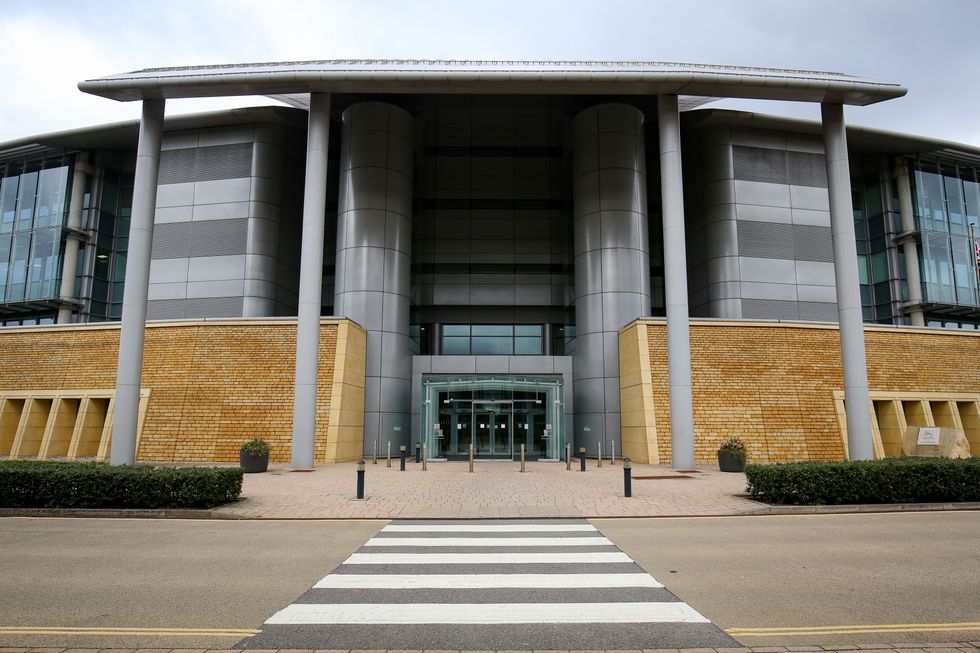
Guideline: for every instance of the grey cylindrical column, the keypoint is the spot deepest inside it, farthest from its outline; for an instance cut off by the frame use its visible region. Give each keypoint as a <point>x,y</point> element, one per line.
<point>133,328</point>
<point>73,238</point>
<point>374,245</point>
<point>675,281</point>
<point>856,402</point>
<point>612,264</point>
<point>910,247</point>
<point>310,282</point>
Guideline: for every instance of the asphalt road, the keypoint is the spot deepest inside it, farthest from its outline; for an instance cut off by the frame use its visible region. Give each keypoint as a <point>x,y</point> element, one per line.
<point>811,572</point>
<point>160,574</point>
<point>803,572</point>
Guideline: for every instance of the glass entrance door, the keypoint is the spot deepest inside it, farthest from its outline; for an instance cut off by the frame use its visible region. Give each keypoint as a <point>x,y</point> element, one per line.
<point>494,414</point>
<point>493,435</point>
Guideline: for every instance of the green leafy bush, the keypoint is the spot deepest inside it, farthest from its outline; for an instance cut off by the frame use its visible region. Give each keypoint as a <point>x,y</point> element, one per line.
<point>891,480</point>
<point>735,447</point>
<point>255,447</point>
<point>43,484</point>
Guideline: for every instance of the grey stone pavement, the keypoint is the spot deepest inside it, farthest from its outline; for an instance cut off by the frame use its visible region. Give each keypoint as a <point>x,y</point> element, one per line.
<point>943,647</point>
<point>493,490</point>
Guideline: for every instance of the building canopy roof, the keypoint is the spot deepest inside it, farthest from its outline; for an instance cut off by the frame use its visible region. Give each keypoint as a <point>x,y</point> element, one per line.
<point>513,77</point>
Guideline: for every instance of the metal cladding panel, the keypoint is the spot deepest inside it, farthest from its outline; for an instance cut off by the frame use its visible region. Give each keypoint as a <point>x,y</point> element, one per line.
<point>171,240</point>
<point>205,163</point>
<point>765,239</point>
<point>770,309</point>
<point>778,166</point>
<point>219,237</point>
<point>813,243</point>
<point>818,311</point>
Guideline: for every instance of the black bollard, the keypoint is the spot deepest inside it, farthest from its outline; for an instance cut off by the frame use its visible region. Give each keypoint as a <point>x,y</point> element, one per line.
<point>627,477</point>
<point>360,479</point>
<point>581,459</point>
<point>404,451</point>
<point>418,456</point>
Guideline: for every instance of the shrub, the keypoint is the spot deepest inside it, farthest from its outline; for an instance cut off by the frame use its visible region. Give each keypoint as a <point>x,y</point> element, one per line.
<point>891,480</point>
<point>735,447</point>
<point>44,484</point>
<point>255,447</point>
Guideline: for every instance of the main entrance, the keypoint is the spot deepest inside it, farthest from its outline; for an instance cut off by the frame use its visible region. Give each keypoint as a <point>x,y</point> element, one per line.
<point>494,414</point>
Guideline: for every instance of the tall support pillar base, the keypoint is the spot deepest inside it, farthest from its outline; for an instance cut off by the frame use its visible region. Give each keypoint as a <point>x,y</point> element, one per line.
<point>133,328</point>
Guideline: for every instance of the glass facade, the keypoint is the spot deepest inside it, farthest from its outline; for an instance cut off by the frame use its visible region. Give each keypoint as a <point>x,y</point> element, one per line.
<point>33,210</point>
<point>493,339</point>
<point>873,238</point>
<point>494,414</point>
<point>111,241</point>
<point>946,198</point>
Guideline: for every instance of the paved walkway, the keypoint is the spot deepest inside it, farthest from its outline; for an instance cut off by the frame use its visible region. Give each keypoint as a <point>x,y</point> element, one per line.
<point>494,490</point>
<point>943,647</point>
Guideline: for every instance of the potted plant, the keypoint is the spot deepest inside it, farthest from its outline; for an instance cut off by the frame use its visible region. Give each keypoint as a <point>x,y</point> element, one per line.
<point>254,456</point>
<point>732,455</point>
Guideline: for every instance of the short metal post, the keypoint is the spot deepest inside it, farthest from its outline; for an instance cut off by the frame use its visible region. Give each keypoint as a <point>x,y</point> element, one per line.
<point>360,479</point>
<point>522,458</point>
<point>471,457</point>
<point>374,454</point>
<point>598,445</point>
<point>581,459</point>
<point>568,456</point>
<point>418,455</point>
<point>389,454</point>
<point>403,450</point>
<point>627,477</point>
<point>612,452</point>
<point>425,454</point>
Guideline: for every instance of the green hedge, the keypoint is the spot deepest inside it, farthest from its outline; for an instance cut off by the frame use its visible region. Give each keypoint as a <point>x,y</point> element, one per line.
<point>892,480</point>
<point>44,484</point>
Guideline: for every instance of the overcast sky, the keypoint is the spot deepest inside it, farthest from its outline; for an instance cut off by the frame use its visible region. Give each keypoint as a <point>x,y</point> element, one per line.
<point>930,46</point>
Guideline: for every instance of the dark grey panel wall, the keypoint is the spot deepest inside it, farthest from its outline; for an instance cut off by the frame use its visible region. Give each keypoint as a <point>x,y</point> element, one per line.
<point>774,166</point>
<point>205,163</point>
<point>205,238</point>
<point>492,224</point>
<point>784,241</point>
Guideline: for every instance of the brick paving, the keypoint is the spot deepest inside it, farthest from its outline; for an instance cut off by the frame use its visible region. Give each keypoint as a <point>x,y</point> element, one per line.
<point>495,489</point>
<point>947,647</point>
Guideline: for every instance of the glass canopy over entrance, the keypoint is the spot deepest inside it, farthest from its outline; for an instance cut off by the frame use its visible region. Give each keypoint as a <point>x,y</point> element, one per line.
<point>495,414</point>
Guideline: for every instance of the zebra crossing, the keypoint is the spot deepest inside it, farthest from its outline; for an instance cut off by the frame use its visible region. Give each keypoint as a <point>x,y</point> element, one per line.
<point>488,585</point>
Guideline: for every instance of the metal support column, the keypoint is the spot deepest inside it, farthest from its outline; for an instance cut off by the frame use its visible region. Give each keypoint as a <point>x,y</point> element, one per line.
<point>856,402</point>
<point>133,328</point>
<point>310,282</point>
<point>675,271</point>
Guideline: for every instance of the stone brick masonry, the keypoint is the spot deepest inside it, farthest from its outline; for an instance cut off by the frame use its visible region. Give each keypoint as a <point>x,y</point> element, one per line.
<point>212,384</point>
<point>771,384</point>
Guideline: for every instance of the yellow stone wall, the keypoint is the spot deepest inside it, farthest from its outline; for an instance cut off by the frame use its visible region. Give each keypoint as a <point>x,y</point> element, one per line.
<point>211,384</point>
<point>773,384</point>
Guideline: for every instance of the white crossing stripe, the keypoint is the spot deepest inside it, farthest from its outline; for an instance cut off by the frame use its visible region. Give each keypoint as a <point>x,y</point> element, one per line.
<point>484,558</point>
<point>485,581</point>
<point>488,541</point>
<point>489,528</point>
<point>486,613</point>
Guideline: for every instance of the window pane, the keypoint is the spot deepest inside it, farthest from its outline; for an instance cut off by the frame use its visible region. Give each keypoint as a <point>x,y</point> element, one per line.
<point>527,346</point>
<point>25,201</point>
<point>455,329</point>
<point>489,345</point>
<point>527,330</point>
<point>493,330</point>
<point>8,203</point>
<point>455,345</point>
<point>954,201</point>
<point>51,197</point>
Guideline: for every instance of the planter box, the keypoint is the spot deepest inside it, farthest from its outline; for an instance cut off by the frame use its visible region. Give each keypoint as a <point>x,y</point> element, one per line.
<point>728,462</point>
<point>252,464</point>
